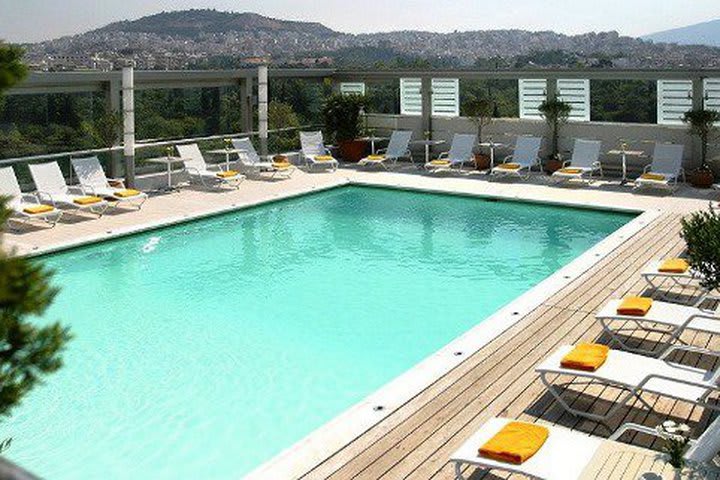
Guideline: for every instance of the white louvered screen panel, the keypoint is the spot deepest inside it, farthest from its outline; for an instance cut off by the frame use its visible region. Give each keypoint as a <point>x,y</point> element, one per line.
<point>446,97</point>
<point>410,98</point>
<point>531,94</point>
<point>712,94</point>
<point>352,88</point>
<point>674,98</point>
<point>576,92</point>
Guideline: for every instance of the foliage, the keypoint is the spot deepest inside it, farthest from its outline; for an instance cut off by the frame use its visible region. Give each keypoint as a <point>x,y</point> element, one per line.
<point>556,113</point>
<point>106,129</point>
<point>342,116</point>
<point>676,441</point>
<point>702,124</point>
<point>281,115</point>
<point>480,112</point>
<point>12,69</point>
<point>701,232</point>
<point>629,101</point>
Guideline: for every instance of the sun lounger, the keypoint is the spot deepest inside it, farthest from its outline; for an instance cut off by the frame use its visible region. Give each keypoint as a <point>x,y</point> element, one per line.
<point>208,176</point>
<point>522,161</point>
<point>665,169</point>
<point>584,163</point>
<point>397,148</point>
<point>461,152</point>
<point>25,206</point>
<point>93,181</point>
<point>252,164</point>
<point>314,151</point>
<point>52,190</point>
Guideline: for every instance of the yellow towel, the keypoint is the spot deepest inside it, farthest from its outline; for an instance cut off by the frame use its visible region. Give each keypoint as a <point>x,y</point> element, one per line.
<point>440,162</point>
<point>635,306</point>
<point>515,443</point>
<point>87,200</point>
<point>376,157</point>
<point>228,174</point>
<point>674,265</point>
<point>586,356</point>
<point>509,166</point>
<point>653,176</point>
<point>570,171</point>
<point>324,158</point>
<point>128,192</point>
<point>38,209</point>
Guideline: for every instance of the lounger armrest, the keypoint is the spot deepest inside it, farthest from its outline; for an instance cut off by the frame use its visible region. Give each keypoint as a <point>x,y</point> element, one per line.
<point>647,168</point>
<point>508,158</point>
<point>117,181</point>
<point>657,376</point>
<point>443,155</point>
<point>566,163</point>
<point>380,151</point>
<point>47,196</point>
<point>30,198</point>
<point>88,190</point>
<point>688,348</point>
<point>634,427</point>
<point>192,170</point>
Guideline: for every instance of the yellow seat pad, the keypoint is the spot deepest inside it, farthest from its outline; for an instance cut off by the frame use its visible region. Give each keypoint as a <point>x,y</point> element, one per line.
<point>282,165</point>
<point>440,162</point>
<point>570,171</point>
<point>587,357</point>
<point>324,158</point>
<point>128,192</point>
<point>228,174</point>
<point>653,176</point>
<point>376,157</point>
<point>38,209</point>
<point>635,306</point>
<point>515,443</point>
<point>89,200</point>
<point>509,166</point>
<point>674,265</point>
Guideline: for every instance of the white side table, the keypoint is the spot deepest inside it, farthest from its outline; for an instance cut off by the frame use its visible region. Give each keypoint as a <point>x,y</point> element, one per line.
<point>168,162</point>
<point>227,152</point>
<point>427,144</point>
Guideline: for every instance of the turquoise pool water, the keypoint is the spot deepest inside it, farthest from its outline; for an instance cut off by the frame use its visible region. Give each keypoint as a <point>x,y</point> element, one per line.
<point>203,349</point>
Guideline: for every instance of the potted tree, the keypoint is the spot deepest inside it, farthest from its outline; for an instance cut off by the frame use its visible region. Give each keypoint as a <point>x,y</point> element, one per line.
<point>701,232</point>
<point>342,124</point>
<point>556,114</point>
<point>480,112</point>
<point>701,123</point>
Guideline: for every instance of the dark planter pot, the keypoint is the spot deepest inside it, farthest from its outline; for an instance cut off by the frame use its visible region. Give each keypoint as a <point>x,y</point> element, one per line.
<point>352,150</point>
<point>552,166</point>
<point>482,161</point>
<point>702,178</point>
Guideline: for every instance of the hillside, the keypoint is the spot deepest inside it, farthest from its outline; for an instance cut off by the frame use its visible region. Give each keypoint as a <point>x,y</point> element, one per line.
<point>213,39</point>
<point>707,33</point>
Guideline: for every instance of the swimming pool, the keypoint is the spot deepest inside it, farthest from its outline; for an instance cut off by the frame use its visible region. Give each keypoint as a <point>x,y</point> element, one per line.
<point>203,349</point>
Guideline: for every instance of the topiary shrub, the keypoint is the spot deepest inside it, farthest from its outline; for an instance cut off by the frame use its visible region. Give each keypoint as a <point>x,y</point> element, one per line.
<point>701,232</point>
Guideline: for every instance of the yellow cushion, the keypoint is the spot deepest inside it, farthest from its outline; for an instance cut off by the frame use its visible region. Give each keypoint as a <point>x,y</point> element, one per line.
<point>674,265</point>
<point>515,443</point>
<point>586,356</point>
<point>128,192</point>
<point>570,171</point>
<point>440,162</point>
<point>282,165</point>
<point>38,209</point>
<point>228,174</point>
<point>324,158</point>
<point>509,166</point>
<point>87,200</point>
<point>653,176</point>
<point>635,306</point>
<point>376,157</point>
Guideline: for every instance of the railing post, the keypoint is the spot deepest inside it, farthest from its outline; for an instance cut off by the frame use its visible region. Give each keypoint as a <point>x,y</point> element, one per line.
<point>246,124</point>
<point>128,89</point>
<point>426,102</point>
<point>263,108</point>
<point>114,106</point>
<point>698,103</point>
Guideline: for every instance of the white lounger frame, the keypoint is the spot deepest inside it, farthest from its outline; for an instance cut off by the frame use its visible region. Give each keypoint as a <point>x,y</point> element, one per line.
<point>525,154</point>
<point>252,164</point>
<point>312,145</point>
<point>694,380</point>
<point>398,147</point>
<point>198,169</point>
<point>92,181</point>
<point>52,189</point>
<point>18,201</point>
<point>667,161</point>
<point>585,157</point>
<point>460,153</point>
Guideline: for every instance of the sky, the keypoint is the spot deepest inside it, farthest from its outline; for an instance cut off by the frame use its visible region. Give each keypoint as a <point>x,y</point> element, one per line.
<point>37,20</point>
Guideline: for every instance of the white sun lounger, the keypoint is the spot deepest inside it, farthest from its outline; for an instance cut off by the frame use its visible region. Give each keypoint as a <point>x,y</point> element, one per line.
<point>313,146</point>
<point>251,163</point>
<point>667,162</point>
<point>461,152</point>
<point>636,374</point>
<point>93,181</point>
<point>200,171</point>
<point>20,202</point>
<point>525,156</point>
<point>572,455</point>
<point>672,317</point>
<point>583,164</point>
<point>397,148</point>
<point>655,278</point>
<point>52,189</point>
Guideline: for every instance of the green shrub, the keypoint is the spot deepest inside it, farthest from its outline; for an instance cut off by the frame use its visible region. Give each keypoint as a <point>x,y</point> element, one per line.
<point>342,116</point>
<point>701,232</point>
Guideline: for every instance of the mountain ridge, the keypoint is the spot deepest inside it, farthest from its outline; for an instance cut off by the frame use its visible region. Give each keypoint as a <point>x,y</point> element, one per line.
<point>705,33</point>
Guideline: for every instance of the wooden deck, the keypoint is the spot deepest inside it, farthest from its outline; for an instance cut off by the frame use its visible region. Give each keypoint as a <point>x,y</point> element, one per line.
<point>499,380</point>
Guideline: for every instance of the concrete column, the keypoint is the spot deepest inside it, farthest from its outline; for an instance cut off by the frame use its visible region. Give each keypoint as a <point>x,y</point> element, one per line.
<point>246,120</point>
<point>128,100</point>
<point>698,103</point>
<point>263,108</point>
<point>426,100</point>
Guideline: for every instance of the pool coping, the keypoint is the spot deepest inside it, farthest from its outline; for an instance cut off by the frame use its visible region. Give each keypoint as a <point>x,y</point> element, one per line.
<point>310,451</point>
